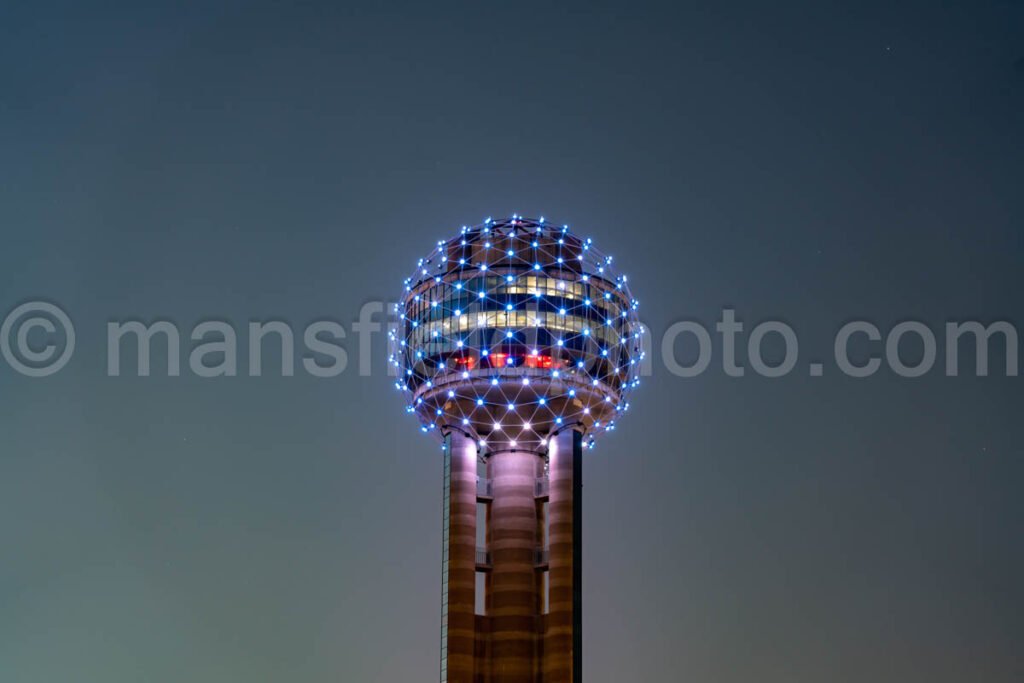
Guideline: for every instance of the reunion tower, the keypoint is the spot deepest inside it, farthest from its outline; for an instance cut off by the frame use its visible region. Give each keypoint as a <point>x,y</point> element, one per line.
<point>516,344</point>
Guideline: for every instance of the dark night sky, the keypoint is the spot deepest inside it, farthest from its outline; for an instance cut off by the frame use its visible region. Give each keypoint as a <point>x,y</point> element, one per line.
<point>806,162</point>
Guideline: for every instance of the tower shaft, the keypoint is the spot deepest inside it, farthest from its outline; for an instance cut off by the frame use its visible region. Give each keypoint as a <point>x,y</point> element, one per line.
<point>513,603</point>
<point>564,633</point>
<point>511,573</point>
<point>458,569</point>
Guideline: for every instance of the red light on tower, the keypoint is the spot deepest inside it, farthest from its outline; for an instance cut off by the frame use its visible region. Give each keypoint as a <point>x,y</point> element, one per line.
<point>539,361</point>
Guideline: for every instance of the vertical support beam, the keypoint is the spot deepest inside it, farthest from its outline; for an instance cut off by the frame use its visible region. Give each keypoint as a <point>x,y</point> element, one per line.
<point>458,619</point>
<point>563,641</point>
<point>513,544</point>
<point>577,556</point>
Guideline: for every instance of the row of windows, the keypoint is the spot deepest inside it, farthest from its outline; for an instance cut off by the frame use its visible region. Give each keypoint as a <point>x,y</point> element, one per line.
<point>598,368</point>
<point>446,360</point>
<point>528,339</point>
<point>516,321</point>
<point>453,297</point>
<point>601,311</point>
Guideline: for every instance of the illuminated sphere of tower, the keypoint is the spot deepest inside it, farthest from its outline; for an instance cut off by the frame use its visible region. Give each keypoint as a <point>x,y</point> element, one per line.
<point>514,330</point>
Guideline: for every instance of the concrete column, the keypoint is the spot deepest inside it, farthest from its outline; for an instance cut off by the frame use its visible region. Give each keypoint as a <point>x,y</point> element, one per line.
<point>563,639</point>
<point>513,542</point>
<point>459,570</point>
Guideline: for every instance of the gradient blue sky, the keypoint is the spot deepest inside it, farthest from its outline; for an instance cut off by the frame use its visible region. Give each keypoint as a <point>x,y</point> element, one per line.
<point>813,162</point>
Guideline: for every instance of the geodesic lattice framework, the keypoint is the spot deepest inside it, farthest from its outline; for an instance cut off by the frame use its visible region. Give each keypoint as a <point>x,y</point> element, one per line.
<point>514,330</point>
